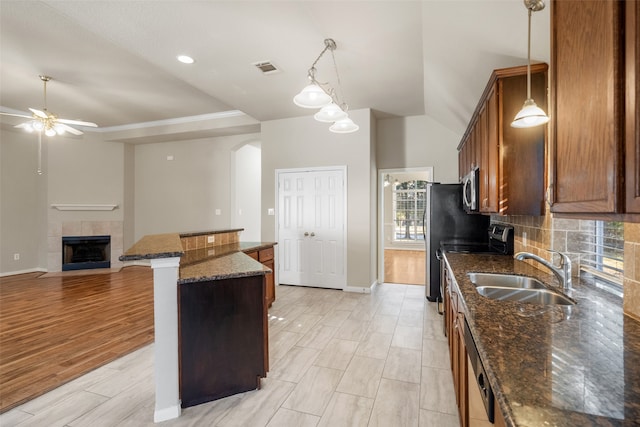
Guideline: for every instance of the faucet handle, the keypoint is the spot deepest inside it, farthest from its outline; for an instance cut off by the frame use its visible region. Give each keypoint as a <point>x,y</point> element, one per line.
<point>565,263</point>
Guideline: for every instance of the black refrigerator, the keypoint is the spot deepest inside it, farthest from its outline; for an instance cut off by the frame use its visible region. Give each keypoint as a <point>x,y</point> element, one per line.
<point>445,219</point>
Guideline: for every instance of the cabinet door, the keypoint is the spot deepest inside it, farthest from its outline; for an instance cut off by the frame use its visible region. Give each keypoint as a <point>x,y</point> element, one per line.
<point>587,59</point>
<point>463,406</point>
<point>489,171</point>
<point>632,107</point>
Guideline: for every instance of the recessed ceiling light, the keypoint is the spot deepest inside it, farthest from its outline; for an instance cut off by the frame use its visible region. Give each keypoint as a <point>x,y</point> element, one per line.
<point>185,59</point>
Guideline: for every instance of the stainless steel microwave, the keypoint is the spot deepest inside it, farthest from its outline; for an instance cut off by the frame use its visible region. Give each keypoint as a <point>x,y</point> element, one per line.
<point>471,190</point>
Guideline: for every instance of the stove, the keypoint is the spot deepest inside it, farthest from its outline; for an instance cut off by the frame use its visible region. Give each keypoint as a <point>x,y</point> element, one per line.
<point>499,241</point>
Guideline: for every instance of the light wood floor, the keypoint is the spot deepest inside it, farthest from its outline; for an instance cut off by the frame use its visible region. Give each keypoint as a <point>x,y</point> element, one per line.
<point>402,266</point>
<point>337,359</point>
<point>55,329</point>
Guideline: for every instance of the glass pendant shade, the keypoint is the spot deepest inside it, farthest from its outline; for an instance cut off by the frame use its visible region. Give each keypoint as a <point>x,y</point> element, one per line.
<point>529,116</point>
<point>312,96</point>
<point>38,125</point>
<point>330,113</point>
<point>344,126</point>
<point>50,132</point>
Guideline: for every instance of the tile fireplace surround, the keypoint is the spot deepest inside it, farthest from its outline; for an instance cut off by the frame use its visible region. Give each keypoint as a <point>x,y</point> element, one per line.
<point>83,228</point>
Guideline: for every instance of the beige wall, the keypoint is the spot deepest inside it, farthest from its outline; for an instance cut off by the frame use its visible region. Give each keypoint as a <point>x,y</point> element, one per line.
<point>418,141</point>
<point>182,194</point>
<point>22,203</point>
<point>304,142</point>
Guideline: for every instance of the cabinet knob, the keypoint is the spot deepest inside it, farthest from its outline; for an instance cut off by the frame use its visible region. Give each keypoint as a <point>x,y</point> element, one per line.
<point>306,234</point>
<point>313,234</point>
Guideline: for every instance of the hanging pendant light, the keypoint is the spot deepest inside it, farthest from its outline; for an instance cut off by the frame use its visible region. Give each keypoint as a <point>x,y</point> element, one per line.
<point>330,113</point>
<point>311,96</point>
<point>530,115</point>
<point>344,126</point>
<point>322,95</point>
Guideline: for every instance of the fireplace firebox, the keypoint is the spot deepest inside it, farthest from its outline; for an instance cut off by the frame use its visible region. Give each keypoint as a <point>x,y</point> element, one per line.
<point>86,252</point>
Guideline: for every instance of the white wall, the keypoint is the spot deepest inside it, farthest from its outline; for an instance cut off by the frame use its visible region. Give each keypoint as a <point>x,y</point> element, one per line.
<point>418,141</point>
<point>246,163</point>
<point>182,194</point>
<point>303,142</point>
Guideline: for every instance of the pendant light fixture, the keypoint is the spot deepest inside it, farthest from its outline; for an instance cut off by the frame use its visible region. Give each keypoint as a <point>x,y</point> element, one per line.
<point>323,96</point>
<point>530,115</point>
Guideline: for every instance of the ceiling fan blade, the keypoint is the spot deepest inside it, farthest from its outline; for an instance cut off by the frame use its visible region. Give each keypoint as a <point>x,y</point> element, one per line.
<point>77,122</point>
<point>16,115</point>
<point>39,113</point>
<point>26,126</point>
<point>68,128</point>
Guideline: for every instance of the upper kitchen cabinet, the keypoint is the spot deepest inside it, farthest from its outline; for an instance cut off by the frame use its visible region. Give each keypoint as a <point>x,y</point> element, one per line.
<point>594,108</point>
<point>511,161</point>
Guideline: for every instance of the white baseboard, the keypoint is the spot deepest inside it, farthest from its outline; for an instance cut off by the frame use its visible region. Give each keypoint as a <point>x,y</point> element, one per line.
<point>29,270</point>
<point>165,414</point>
<point>360,289</point>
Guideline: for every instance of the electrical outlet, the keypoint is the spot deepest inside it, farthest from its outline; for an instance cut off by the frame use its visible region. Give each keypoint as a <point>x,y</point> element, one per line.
<point>16,257</point>
<point>271,211</point>
<point>524,238</point>
<point>211,239</point>
<point>218,212</point>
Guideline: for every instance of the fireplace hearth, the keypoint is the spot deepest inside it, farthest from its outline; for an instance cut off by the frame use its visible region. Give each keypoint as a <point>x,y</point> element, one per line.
<point>86,252</point>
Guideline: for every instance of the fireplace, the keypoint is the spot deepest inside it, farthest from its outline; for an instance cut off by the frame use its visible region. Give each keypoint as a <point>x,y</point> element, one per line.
<point>86,252</point>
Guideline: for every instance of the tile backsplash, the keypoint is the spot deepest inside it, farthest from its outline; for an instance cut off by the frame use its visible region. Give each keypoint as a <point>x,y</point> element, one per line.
<point>539,234</point>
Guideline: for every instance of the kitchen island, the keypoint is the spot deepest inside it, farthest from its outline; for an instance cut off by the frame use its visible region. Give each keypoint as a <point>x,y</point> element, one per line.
<point>210,316</point>
<point>553,365</point>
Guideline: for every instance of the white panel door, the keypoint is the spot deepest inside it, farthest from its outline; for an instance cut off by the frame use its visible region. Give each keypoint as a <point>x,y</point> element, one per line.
<point>311,228</point>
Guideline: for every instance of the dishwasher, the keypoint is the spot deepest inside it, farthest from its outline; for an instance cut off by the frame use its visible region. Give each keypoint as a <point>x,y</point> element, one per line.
<point>479,388</point>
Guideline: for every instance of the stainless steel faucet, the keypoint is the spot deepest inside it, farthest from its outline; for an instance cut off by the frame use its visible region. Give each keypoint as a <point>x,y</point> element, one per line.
<point>563,273</point>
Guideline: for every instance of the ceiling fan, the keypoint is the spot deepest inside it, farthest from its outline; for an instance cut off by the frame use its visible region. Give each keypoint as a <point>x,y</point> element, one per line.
<point>44,121</point>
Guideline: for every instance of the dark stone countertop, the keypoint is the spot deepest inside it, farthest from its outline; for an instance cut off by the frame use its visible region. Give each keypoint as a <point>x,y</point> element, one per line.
<point>559,367</point>
<point>213,263</point>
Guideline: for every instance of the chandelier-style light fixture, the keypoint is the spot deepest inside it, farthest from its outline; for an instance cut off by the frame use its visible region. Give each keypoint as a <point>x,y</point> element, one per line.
<point>530,115</point>
<point>323,96</point>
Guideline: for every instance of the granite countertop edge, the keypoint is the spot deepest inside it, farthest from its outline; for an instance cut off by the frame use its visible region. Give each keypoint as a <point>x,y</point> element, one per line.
<point>490,321</point>
<point>198,265</point>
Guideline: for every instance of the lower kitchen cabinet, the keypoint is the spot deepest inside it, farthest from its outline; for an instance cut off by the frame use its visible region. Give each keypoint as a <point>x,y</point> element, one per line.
<point>223,338</point>
<point>266,257</point>
<point>471,408</point>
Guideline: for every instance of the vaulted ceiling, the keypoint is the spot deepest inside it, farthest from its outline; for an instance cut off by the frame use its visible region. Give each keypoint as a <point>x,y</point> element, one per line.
<point>114,62</point>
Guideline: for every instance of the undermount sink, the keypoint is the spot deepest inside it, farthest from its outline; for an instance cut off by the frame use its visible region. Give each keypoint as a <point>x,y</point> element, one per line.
<point>531,296</point>
<point>505,281</point>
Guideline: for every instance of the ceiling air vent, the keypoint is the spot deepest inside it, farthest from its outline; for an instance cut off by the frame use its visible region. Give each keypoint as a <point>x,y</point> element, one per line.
<point>266,67</point>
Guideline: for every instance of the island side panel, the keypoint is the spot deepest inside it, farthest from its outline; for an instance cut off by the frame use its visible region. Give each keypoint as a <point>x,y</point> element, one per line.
<point>222,338</point>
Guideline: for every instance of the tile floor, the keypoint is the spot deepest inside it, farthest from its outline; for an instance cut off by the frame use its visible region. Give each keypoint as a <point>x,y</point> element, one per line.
<point>337,359</point>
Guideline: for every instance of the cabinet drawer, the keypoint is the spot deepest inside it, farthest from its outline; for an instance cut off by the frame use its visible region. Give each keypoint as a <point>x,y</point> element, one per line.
<point>265,254</point>
<point>253,255</point>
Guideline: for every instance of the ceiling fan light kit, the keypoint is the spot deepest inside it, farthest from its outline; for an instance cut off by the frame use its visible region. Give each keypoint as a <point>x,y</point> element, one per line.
<point>323,96</point>
<point>42,121</point>
<point>530,115</point>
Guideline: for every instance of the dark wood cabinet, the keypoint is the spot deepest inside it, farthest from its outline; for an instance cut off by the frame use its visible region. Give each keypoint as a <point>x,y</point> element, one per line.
<point>223,338</point>
<point>511,161</point>
<point>266,257</point>
<point>594,108</point>
<point>632,106</point>
<point>454,327</point>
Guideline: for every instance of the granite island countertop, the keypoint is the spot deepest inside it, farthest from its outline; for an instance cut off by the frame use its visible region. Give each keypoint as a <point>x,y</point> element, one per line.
<point>554,365</point>
<point>198,265</point>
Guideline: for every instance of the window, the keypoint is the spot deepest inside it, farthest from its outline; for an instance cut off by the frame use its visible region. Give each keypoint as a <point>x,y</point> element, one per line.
<point>409,203</point>
<point>603,250</point>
